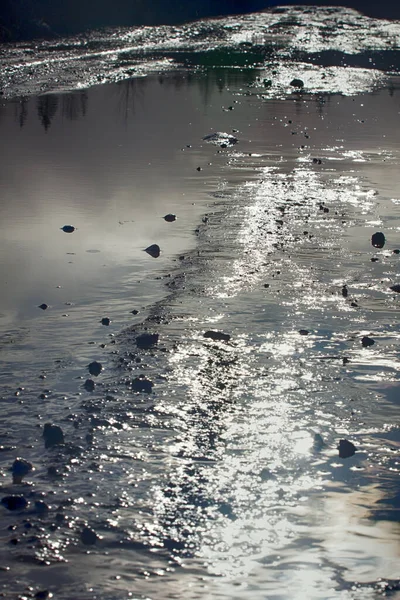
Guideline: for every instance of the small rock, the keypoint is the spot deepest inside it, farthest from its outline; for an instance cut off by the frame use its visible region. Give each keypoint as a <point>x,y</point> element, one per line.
<point>396,251</point>
<point>134,312</point>
<point>105,321</point>
<point>345,291</point>
<point>88,536</point>
<point>89,385</point>
<point>198,169</point>
<point>20,468</point>
<point>95,368</point>
<point>52,471</point>
<point>43,595</point>
<point>142,384</point>
<point>317,161</point>
<point>346,449</point>
<point>41,507</point>
<point>53,435</point>
<point>217,336</point>
<point>170,218</point>
<point>318,442</point>
<point>298,83</point>
<point>378,240</point>
<point>374,259</point>
<point>395,288</point>
<point>68,229</point>
<point>14,502</point>
<point>154,250</point>
<point>367,341</point>
<point>303,331</point>
<point>43,306</point>
<point>147,340</point>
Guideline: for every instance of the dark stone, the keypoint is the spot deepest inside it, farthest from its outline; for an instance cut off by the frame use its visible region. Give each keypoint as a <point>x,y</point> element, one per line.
<point>89,385</point>
<point>317,161</point>
<point>170,218</point>
<point>14,502</point>
<point>41,507</point>
<point>304,332</point>
<point>52,471</point>
<point>396,251</point>
<point>88,536</point>
<point>147,340</point>
<point>318,442</point>
<point>53,435</point>
<point>346,449</point>
<point>95,368</point>
<point>345,291</point>
<point>105,321</point>
<point>217,336</point>
<point>20,468</point>
<point>68,229</point>
<point>43,306</point>
<point>395,288</point>
<point>135,312</point>
<point>198,169</point>
<point>298,83</point>
<point>374,259</point>
<point>153,250</point>
<point>43,595</point>
<point>142,384</point>
<point>378,240</point>
<point>367,341</point>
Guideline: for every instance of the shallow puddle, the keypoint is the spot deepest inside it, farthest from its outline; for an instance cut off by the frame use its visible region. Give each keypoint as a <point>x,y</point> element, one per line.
<point>204,466</point>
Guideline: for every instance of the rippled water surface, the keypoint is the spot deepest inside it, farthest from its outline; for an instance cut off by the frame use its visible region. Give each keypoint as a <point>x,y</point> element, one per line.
<point>222,478</point>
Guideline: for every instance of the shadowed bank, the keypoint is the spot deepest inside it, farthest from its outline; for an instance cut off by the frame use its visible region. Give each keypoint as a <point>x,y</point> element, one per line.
<point>26,19</point>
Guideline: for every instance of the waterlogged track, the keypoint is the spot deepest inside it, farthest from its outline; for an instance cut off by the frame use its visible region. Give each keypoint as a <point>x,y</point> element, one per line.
<point>225,480</point>
<point>312,34</point>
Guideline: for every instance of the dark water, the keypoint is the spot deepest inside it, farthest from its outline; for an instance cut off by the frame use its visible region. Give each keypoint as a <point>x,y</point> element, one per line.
<point>226,480</point>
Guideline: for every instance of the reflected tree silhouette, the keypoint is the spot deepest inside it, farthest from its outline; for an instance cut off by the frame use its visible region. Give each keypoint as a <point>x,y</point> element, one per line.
<point>47,107</point>
<point>22,112</point>
<point>129,92</point>
<point>74,105</point>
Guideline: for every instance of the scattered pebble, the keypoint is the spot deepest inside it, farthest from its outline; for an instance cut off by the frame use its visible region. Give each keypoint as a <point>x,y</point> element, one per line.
<point>217,336</point>
<point>95,368</point>
<point>154,250</point>
<point>170,218</point>
<point>298,83</point>
<point>105,321</point>
<point>14,502</point>
<point>43,306</point>
<point>367,341</point>
<point>346,449</point>
<point>142,384</point>
<point>53,435</point>
<point>88,536</point>
<point>43,595</point>
<point>198,169</point>
<point>68,229</point>
<point>147,340</point>
<point>304,332</point>
<point>89,385</point>
<point>345,291</point>
<point>20,468</point>
<point>378,240</point>
<point>134,312</point>
<point>41,507</point>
